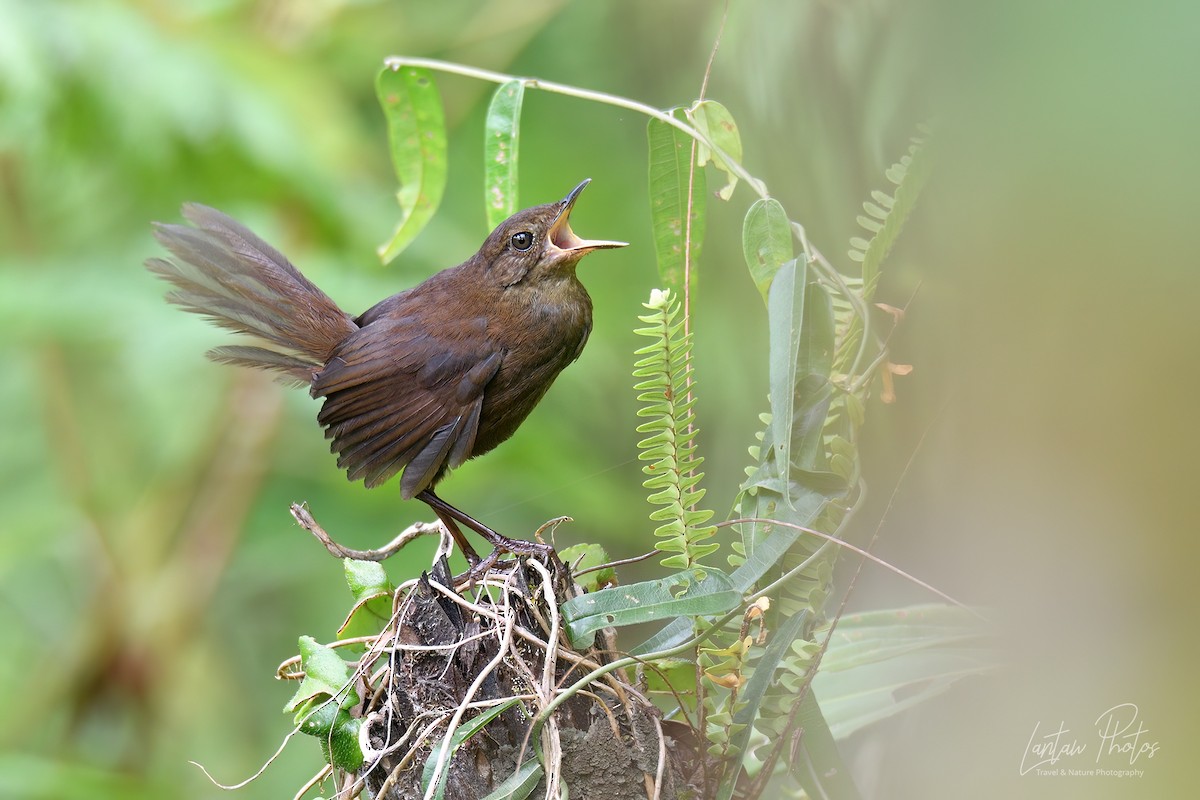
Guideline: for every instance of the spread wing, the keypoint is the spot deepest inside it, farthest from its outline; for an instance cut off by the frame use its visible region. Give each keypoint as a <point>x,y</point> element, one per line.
<point>400,395</point>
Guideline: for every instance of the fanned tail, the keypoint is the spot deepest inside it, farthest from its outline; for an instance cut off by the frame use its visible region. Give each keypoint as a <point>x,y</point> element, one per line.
<point>224,272</point>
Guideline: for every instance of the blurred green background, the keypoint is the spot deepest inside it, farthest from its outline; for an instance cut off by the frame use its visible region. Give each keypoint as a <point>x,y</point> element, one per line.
<point>150,576</point>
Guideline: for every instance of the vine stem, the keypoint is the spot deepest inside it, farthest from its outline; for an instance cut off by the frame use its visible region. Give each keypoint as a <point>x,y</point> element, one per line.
<point>396,62</point>
<point>756,184</point>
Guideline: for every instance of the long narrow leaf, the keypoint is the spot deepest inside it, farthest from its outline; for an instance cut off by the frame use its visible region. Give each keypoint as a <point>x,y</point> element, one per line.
<point>461,734</point>
<point>672,170</point>
<point>785,316</point>
<point>417,141</point>
<point>501,140</point>
<point>680,594</point>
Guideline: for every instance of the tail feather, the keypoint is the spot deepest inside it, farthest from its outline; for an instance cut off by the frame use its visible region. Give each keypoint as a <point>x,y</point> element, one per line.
<point>224,272</point>
<point>297,370</point>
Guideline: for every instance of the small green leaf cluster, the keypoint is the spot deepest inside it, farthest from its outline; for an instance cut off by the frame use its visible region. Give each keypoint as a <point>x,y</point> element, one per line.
<point>322,705</point>
<point>670,448</point>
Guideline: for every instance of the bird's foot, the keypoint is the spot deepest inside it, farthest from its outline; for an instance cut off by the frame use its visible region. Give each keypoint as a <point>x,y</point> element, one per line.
<point>480,568</point>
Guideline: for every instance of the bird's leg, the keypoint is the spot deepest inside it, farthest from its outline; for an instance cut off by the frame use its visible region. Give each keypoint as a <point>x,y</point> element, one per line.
<point>463,545</point>
<point>501,544</point>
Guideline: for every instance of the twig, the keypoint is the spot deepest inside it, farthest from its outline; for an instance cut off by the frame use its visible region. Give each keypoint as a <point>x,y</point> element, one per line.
<point>305,520</point>
<point>618,563</point>
<point>841,543</point>
<point>396,62</point>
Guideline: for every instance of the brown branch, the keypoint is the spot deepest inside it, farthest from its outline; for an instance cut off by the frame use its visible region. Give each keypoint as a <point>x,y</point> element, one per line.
<point>306,521</point>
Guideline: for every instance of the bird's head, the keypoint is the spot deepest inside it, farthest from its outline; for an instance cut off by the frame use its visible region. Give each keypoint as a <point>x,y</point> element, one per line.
<point>538,243</point>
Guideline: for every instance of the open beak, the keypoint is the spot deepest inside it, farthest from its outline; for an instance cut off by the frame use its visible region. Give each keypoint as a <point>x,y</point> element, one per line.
<point>561,235</point>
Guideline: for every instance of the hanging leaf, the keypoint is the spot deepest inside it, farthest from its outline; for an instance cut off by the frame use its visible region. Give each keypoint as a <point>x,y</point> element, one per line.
<point>417,141</point>
<point>786,318</point>
<point>766,242</point>
<point>325,675</point>
<point>716,123</point>
<point>672,171</point>
<point>501,139</point>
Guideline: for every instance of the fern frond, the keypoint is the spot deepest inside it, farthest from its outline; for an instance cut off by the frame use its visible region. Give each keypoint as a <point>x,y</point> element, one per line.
<point>884,219</point>
<point>887,213</point>
<point>670,446</point>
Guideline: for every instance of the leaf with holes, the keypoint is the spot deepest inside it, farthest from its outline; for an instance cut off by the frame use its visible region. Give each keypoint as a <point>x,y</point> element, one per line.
<point>716,123</point>
<point>682,593</point>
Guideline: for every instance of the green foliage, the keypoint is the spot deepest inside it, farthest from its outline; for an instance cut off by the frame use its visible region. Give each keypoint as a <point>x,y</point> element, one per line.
<point>454,740</point>
<point>880,663</point>
<point>666,396</point>
<point>520,784</point>
<point>322,704</point>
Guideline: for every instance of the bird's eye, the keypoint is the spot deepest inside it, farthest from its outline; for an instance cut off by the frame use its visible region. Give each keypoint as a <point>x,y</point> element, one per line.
<point>522,240</point>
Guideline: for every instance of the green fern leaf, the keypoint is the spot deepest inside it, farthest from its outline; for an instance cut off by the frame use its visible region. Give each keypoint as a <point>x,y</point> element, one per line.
<point>670,444</point>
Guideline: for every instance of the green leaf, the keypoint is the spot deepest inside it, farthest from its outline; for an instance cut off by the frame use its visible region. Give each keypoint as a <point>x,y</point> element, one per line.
<point>366,578</point>
<point>501,140</point>
<point>319,713</point>
<point>338,733</point>
<point>766,242</point>
<point>325,674</point>
<point>670,636</point>
<point>417,141</point>
<point>461,734</point>
<point>373,595</point>
<point>882,662</point>
<point>785,319</point>
<point>714,121</point>
<point>791,482</point>
<point>681,593</point>
<point>672,169</point>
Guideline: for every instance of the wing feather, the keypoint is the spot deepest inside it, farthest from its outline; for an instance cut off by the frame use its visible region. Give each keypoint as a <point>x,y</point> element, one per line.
<point>400,396</point>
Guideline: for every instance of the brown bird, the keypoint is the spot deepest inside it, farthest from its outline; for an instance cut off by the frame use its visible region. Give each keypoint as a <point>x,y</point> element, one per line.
<point>421,381</point>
